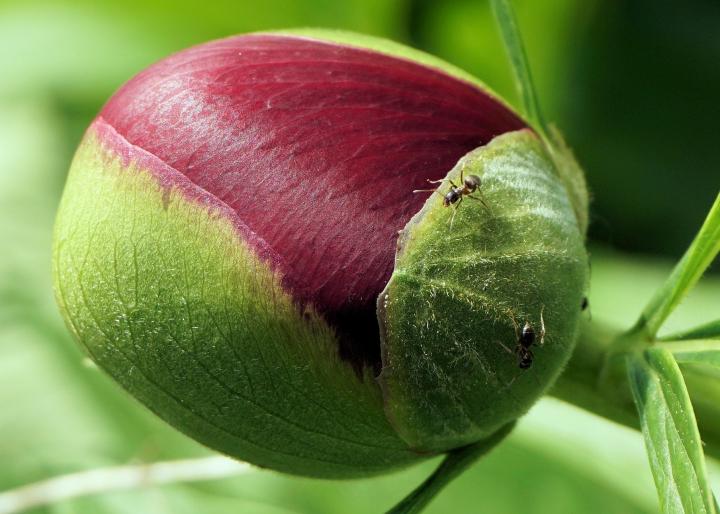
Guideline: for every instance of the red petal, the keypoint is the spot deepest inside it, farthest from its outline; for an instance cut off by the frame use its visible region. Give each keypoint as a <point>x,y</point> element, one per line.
<point>317,147</point>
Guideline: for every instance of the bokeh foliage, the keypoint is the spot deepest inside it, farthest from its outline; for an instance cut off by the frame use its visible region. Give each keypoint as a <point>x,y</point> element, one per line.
<point>633,85</point>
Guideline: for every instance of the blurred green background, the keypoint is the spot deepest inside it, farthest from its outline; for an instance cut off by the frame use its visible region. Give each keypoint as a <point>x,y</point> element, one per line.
<point>633,84</point>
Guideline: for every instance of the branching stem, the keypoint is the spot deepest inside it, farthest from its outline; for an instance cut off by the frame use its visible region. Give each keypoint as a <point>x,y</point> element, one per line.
<point>596,380</point>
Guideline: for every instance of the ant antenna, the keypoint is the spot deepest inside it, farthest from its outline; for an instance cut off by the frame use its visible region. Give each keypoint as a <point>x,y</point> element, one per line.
<point>434,190</point>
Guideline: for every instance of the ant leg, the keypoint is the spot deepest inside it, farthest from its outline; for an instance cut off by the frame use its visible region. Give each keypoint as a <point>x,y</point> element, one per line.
<point>440,181</point>
<point>512,381</point>
<point>455,209</point>
<point>542,326</point>
<point>537,380</point>
<point>462,172</point>
<point>518,374</point>
<point>505,347</point>
<point>479,199</point>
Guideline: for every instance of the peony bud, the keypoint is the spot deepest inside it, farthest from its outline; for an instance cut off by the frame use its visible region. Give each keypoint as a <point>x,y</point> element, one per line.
<point>231,219</point>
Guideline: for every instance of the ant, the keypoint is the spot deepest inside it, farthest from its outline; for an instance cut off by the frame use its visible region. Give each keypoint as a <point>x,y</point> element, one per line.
<point>525,339</point>
<point>585,306</point>
<point>470,184</point>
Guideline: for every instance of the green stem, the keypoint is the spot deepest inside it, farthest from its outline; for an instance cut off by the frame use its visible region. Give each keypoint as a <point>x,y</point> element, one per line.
<point>583,382</point>
<point>596,380</point>
<point>454,464</point>
<point>687,272</point>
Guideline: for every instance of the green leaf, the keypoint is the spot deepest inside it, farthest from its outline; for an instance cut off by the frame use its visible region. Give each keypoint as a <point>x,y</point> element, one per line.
<point>510,33</point>
<point>687,272</point>
<point>454,464</point>
<point>701,362</point>
<point>709,357</point>
<point>670,430</point>
<point>707,331</point>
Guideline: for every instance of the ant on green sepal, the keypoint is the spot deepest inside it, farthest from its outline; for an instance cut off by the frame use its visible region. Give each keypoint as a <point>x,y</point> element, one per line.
<point>526,337</point>
<point>585,306</point>
<point>470,184</point>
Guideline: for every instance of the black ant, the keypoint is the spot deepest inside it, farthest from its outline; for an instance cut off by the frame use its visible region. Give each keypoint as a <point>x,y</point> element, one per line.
<point>525,339</point>
<point>585,306</point>
<point>455,195</point>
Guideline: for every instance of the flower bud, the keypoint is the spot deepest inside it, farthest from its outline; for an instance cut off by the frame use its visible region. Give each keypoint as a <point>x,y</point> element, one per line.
<point>231,218</point>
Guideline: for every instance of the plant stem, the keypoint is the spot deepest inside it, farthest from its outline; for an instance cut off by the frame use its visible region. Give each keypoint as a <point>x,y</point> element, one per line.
<point>73,485</point>
<point>582,381</point>
<point>589,384</point>
<point>454,464</point>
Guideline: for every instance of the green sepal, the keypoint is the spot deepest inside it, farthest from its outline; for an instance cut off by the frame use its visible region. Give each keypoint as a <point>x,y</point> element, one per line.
<point>571,174</point>
<point>447,313</point>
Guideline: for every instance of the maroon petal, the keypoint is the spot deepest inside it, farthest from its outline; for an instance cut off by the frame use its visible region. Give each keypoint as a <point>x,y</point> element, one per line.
<point>317,147</point>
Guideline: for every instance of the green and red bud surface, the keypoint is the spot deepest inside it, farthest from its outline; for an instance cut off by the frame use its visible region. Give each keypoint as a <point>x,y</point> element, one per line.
<point>240,247</point>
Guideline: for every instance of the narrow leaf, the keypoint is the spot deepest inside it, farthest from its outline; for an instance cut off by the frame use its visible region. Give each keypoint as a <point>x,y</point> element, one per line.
<point>710,358</point>
<point>670,430</point>
<point>454,464</point>
<point>700,363</point>
<point>505,17</point>
<point>681,347</point>
<point>707,331</point>
<point>687,272</point>
<point>566,165</point>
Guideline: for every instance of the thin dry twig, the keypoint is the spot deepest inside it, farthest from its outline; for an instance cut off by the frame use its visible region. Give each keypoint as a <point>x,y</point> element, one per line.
<point>83,483</point>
